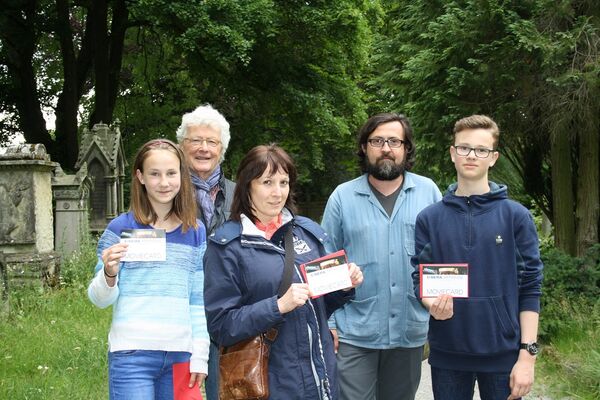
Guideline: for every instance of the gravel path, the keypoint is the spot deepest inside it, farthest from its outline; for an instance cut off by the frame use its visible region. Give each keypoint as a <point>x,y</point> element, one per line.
<point>424,392</point>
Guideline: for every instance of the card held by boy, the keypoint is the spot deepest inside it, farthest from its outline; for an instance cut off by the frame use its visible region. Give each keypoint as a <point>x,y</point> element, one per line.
<point>327,274</point>
<point>437,279</point>
<point>145,244</point>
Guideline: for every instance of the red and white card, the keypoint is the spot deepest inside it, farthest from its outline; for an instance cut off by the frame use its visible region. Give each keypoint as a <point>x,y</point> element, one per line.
<point>437,279</point>
<point>327,274</point>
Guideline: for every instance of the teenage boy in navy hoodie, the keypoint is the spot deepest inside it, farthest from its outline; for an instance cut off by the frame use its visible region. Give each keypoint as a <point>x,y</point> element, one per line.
<point>491,335</point>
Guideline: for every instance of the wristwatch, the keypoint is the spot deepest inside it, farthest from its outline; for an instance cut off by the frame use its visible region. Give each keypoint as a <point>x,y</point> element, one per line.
<point>531,347</point>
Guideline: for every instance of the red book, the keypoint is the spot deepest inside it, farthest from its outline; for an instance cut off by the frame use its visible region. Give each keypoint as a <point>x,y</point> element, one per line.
<point>181,381</point>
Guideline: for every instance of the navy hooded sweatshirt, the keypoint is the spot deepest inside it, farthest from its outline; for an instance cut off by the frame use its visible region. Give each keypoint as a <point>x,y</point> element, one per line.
<point>497,238</point>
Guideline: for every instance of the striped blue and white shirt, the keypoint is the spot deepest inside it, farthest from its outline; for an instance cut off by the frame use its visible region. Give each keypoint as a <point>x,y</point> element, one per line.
<point>157,305</point>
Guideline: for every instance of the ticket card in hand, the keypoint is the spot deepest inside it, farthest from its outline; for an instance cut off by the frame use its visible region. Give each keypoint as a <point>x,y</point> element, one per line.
<point>437,279</point>
<point>145,244</point>
<point>327,274</point>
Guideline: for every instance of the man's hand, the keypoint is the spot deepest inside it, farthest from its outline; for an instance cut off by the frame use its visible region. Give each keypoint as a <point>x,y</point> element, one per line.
<point>336,342</point>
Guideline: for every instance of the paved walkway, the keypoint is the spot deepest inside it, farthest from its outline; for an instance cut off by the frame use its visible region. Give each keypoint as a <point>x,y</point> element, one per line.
<point>424,392</point>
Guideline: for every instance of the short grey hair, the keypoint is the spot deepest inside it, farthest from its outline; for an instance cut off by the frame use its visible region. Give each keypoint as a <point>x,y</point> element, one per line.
<point>206,115</point>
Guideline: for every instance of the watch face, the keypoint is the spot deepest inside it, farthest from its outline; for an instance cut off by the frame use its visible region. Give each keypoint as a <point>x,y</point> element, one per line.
<point>533,348</point>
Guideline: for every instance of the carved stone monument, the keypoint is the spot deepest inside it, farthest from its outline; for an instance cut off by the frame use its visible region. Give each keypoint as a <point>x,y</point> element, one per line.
<point>102,150</point>
<point>72,205</point>
<point>26,223</point>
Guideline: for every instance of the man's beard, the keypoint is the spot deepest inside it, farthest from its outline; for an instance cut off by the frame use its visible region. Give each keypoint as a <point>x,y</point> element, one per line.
<point>385,169</point>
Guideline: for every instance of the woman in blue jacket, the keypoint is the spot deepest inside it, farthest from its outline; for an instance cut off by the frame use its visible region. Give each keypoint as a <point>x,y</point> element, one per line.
<point>244,266</point>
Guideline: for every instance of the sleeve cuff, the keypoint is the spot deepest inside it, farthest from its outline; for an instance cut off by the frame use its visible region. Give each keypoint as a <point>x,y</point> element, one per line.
<point>199,359</point>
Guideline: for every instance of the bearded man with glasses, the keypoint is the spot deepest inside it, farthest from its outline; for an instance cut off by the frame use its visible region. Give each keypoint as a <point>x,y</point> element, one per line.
<point>382,332</point>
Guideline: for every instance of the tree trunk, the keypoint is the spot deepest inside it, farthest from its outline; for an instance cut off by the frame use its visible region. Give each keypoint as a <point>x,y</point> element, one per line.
<point>117,39</point>
<point>562,191</point>
<point>587,212</point>
<point>68,100</point>
<point>19,41</point>
<point>101,53</point>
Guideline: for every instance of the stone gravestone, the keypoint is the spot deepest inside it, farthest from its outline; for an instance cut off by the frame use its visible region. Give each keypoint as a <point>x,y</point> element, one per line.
<point>71,215</point>
<point>26,223</point>
<point>102,150</point>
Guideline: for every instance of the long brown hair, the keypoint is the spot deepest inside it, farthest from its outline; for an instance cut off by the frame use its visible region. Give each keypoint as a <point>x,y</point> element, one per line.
<point>184,204</point>
<point>255,163</point>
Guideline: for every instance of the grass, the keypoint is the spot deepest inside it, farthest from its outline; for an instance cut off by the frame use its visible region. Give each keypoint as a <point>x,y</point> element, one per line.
<point>53,344</point>
<point>570,363</point>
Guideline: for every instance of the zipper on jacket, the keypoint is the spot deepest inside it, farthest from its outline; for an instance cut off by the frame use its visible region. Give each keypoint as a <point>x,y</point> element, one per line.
<point>469,224</point>
<point>322,385</point>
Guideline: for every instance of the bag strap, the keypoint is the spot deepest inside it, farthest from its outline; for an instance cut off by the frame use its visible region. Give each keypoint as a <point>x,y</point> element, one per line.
<point>288,267</point>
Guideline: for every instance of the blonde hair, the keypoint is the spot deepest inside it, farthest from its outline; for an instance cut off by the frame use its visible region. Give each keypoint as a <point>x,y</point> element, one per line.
<point>478,122</point>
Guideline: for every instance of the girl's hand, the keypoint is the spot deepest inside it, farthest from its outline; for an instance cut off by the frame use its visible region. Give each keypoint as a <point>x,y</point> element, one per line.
<point>296,296</point>
<point>111,258</point>
<point>198,378</point>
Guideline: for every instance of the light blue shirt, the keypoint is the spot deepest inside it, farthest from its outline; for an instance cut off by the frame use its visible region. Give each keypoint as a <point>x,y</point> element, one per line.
<point>385,313</point>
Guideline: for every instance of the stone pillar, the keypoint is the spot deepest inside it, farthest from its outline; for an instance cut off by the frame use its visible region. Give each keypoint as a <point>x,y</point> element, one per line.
<point>72,206</point>
<point>121,194</point>
<point>26,223</point>
<point>111,198</point>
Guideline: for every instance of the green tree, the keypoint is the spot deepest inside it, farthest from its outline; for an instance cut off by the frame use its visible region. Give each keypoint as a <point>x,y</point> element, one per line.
<point>533,66</point>
<point>283,72</point>
<point>55,52</point>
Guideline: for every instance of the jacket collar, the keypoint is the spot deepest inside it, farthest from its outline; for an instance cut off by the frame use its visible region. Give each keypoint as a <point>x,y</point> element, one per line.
<point>475,203</point>
<point>364,188</point>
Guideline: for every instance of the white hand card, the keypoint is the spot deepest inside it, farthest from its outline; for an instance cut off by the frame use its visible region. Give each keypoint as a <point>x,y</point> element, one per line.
<point>145,244</point>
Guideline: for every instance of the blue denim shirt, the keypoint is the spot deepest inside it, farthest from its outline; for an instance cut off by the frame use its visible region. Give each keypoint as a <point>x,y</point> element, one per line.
<point>385,312</point>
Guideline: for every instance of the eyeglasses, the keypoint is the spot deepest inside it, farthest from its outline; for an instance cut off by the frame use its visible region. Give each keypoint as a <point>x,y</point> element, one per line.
<point>479,151</point>
<point>196,143</point>
<point>394,143</point>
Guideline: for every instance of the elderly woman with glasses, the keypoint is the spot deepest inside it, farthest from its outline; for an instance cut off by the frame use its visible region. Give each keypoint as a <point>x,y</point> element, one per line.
<point>204,137</point>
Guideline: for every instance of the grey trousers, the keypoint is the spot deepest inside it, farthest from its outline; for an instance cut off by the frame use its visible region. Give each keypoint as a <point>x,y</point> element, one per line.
<point>372,374</point>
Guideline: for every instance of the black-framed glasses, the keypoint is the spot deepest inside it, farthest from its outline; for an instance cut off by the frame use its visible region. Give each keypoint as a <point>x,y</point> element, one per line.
<point>479,152</point>
<point>197,142</point>
<point>394,143</point>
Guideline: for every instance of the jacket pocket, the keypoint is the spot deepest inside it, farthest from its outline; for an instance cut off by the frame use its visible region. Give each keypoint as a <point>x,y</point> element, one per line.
<point>480,325</point>
<point>417,319</point>
<point>359,319</point>
<point>408,232</point>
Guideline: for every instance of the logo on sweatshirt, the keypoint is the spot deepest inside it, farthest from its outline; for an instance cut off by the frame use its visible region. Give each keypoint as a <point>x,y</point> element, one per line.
<point>498,240</point>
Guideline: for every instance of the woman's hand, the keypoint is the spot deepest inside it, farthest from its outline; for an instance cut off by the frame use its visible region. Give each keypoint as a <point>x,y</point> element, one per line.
<point>356,275</point>
<point>111,258</point>
<point>296,296</point>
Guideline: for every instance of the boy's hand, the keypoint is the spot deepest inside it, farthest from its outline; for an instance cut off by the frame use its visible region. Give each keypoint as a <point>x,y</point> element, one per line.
<point>521,376</point>
<point>441,307</point>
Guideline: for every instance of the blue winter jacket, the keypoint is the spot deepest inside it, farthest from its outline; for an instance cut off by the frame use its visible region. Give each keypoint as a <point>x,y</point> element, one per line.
<point>497,238</point>
<point>243,271</point>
